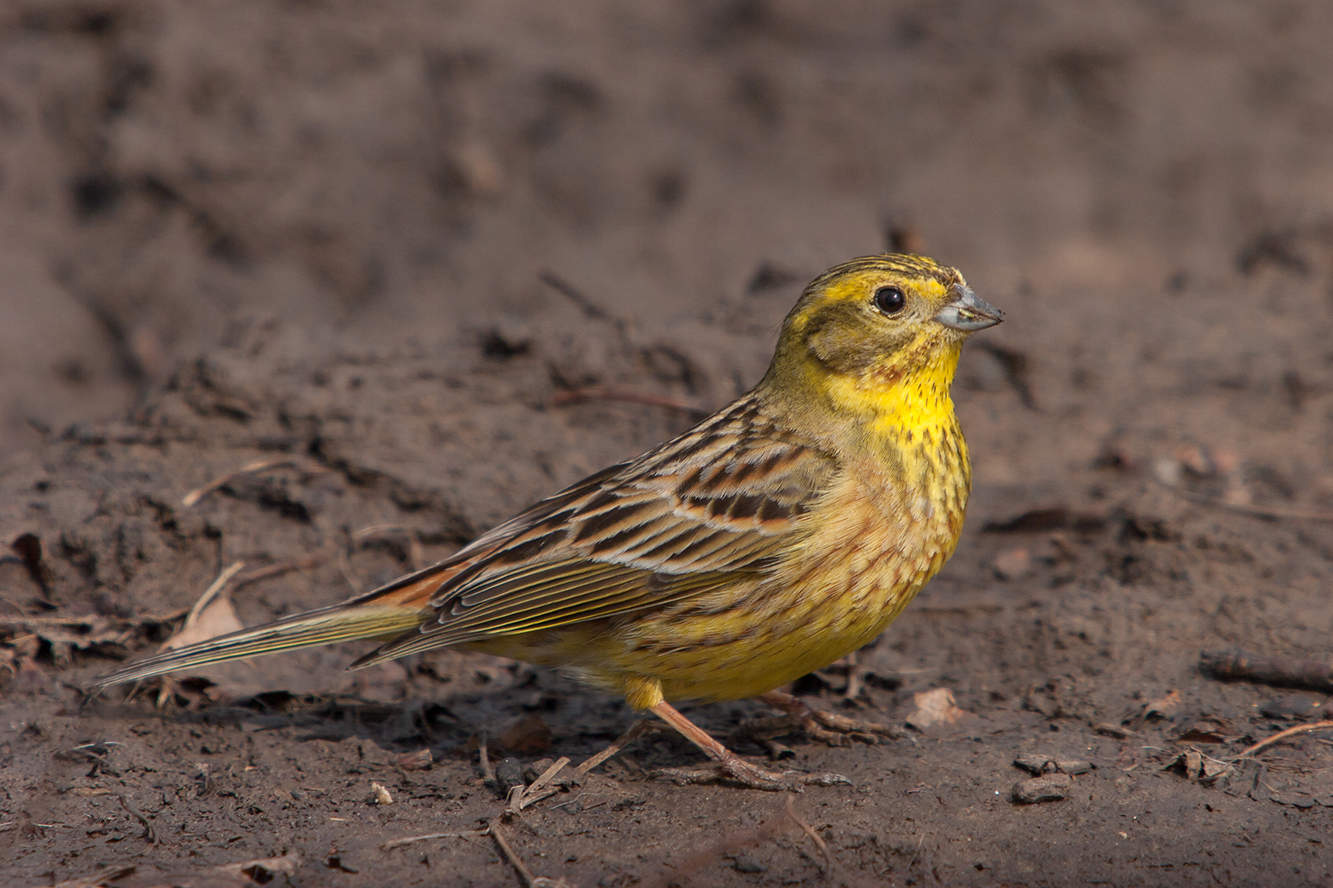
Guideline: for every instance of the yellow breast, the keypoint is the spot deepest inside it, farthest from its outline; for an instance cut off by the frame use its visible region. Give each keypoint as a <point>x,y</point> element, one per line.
<point>876,537</point>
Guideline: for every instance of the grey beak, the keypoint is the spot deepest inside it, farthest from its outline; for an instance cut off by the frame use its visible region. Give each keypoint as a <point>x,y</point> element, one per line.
<point>969,312</point>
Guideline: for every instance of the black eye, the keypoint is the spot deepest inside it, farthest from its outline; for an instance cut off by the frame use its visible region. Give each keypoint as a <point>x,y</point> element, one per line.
<point>890,300</point>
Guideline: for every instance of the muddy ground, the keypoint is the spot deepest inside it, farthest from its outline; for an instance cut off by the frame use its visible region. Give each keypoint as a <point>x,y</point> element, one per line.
<point>412,254</point>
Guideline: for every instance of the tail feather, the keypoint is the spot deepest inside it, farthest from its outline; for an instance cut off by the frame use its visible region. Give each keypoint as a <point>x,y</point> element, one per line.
<point>385,613</point>
<point>318,627</point>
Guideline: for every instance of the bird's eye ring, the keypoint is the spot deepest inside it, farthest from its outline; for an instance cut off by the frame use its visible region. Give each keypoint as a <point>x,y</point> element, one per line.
<point>890,300</point>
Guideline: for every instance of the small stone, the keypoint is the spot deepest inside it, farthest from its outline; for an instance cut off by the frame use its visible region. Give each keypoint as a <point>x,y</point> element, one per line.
<point>1040,763</point>
<point>1013,563</point>
<point>1047,788</point>
<point>509,772</point>
<point>1034,763</point>
<point>1072,766</point>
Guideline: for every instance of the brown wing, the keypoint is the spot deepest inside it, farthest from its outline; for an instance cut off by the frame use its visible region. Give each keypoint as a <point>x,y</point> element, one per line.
<point>677,522</point>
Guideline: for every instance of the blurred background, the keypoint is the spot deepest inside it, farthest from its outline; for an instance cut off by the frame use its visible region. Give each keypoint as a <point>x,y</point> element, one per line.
<point>171,174</point>
<point>363,279</point>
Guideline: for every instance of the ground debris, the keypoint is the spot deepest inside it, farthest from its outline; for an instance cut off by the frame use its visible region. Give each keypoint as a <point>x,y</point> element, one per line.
<point>1039,763</point>
<point>1284,735</point>
<point>1162,707</point>
<point>934,708</point>
<point>1199,768</point>
<point>387,325</point>
<point>212,614</point>
<point>1290,672</point>
<point>1107,729</point>
<point>546,783</point>
<point>418,760</point>
<point>1207,730</point>
<point>261,871</point>
<point>61,636</point>
<point>1047,788</point>
<point>254,467</point>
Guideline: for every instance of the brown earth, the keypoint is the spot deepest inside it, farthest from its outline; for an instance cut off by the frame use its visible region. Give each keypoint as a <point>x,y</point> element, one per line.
<point>381,245</point>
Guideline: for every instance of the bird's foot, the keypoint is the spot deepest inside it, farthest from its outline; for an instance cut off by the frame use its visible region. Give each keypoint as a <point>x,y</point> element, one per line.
<point>728,767</point>
<point>736,770</point>
<point>831,728</point>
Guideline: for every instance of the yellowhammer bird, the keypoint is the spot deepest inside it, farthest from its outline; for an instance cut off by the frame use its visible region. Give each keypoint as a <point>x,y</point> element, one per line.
<point>781,533</point>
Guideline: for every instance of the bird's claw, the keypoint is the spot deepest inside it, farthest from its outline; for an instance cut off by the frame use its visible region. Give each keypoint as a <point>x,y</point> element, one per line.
<point>737,770</point>
<point>831,728</point>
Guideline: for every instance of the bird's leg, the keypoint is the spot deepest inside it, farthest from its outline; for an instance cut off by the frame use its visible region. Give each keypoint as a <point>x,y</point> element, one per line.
<point>729,765</point>
<point>827,727</point>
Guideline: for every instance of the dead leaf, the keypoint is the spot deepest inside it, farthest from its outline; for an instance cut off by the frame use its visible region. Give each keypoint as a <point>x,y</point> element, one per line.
<point>1163,707</point>
<point>211,616</point>
<point>263,870</point>
<point>1199,768</point>
<point>1107,729</point>
<point>419,760</point>
<point>935,707</point>
<point>1207,730</point>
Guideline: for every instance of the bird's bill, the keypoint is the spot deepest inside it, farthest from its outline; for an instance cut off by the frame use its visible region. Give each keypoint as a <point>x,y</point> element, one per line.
<point>969,313</point>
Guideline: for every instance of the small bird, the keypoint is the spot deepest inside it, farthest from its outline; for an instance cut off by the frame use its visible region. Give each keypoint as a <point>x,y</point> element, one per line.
<point>777,535</point>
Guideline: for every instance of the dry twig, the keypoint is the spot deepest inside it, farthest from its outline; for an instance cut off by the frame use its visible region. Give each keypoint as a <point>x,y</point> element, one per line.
<point>497,835</point>
<point>465,834</point>
<point>810,831</point>
<point>149,835</point>
<point>250,468</point>
<point>484,762</point>
<point>273,570</point>
<point>1283,735</point>
<point>216,588</point>
<point>1237,665</point>
<point>510,855</point>
<point>521,797</point>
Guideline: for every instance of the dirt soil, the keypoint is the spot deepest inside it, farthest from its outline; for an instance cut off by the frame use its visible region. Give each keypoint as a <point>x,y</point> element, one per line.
<point>428,262</point>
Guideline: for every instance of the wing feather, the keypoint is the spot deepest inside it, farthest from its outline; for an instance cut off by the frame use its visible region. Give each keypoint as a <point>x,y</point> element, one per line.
<point>681,521</point>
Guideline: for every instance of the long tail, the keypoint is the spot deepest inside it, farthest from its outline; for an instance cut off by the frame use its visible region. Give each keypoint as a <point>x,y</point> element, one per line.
<point>384,613</point>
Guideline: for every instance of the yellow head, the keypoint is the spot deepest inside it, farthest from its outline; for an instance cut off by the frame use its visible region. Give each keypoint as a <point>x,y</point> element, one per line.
<point>880,335</point>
